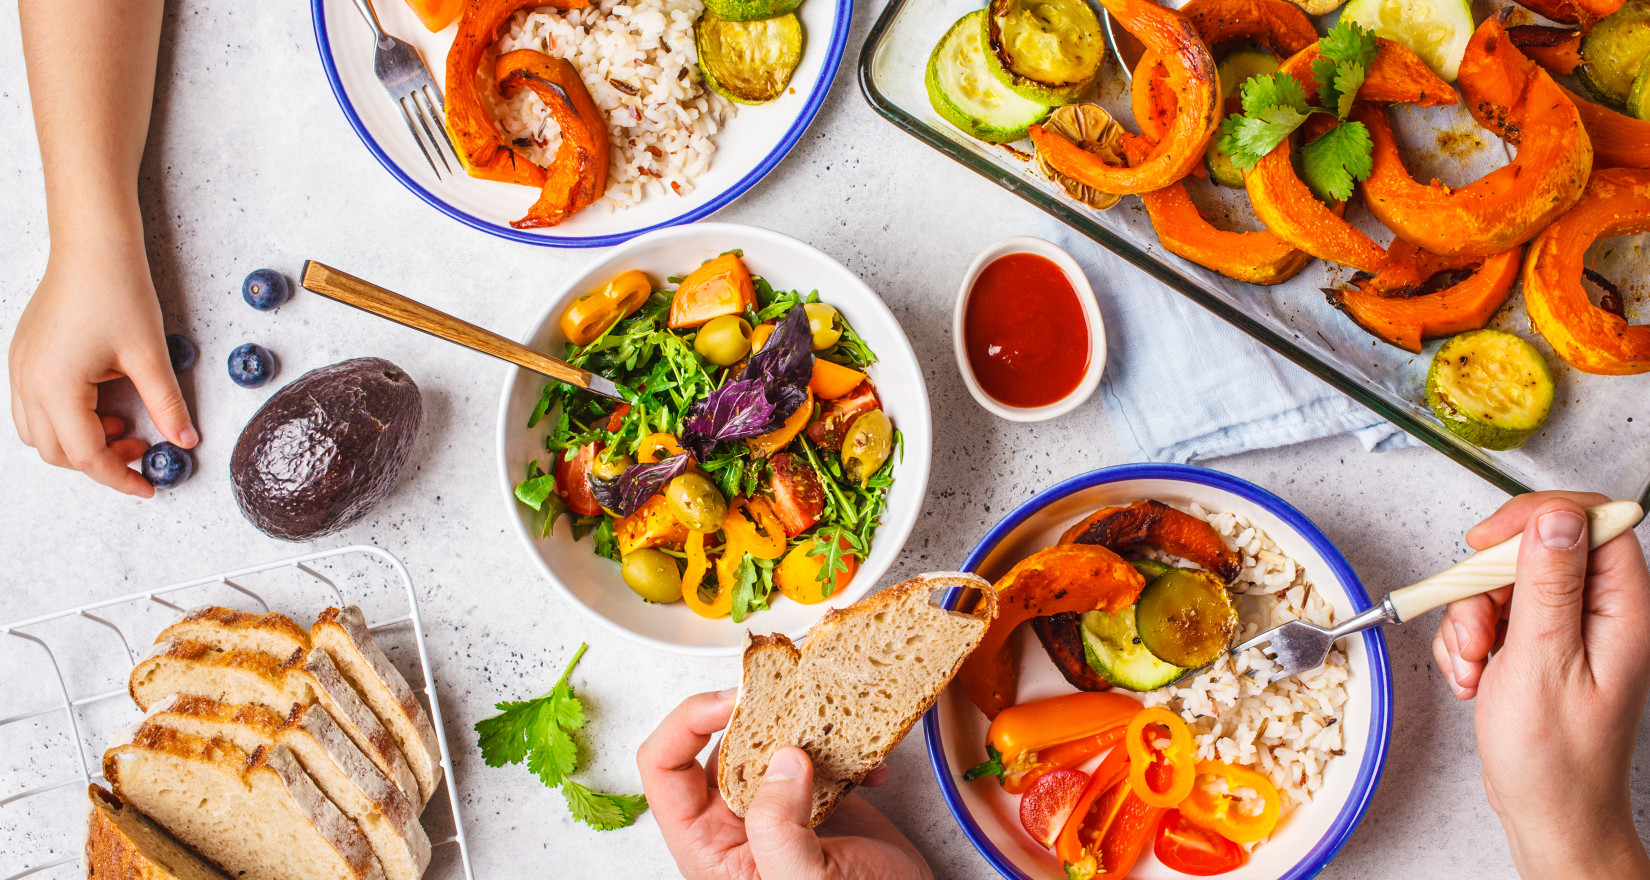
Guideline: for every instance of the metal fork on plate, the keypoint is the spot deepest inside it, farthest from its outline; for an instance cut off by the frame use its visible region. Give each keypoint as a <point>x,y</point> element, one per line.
<point>1298,646</point>
<point>405,77</point>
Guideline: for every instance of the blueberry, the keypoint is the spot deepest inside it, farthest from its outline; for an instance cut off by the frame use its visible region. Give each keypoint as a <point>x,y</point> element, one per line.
<point>181,351</point>
<point>251,365</point>
<point>265,289</point>
<point>165,465</point>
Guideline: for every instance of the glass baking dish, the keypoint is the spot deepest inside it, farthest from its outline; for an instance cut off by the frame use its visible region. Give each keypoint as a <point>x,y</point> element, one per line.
<point>1597,437</point>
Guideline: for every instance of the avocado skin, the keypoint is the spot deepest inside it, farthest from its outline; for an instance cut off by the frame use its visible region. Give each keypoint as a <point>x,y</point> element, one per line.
<point>326,449</point>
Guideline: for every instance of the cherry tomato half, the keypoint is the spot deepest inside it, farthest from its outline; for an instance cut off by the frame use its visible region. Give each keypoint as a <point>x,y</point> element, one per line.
<point>1049,802</point>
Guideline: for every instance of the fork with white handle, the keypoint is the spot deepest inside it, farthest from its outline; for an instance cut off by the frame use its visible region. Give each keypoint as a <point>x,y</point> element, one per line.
<point>1298,646</point>
<point>405,77</point>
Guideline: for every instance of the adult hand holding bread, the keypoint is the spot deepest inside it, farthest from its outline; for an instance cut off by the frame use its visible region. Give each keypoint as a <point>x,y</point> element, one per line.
<point>1559,702</point>
<point>773,841</point>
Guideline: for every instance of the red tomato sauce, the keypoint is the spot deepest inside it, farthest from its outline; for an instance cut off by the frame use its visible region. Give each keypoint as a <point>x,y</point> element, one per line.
<point>1025,332</point>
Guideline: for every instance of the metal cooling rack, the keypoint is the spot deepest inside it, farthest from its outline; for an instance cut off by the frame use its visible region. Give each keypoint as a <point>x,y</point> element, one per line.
<point>48,699</point>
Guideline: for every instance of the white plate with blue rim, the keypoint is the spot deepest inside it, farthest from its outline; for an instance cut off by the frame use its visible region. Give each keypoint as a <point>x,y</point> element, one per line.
<point>749,146</point>
<point>1309,835</point>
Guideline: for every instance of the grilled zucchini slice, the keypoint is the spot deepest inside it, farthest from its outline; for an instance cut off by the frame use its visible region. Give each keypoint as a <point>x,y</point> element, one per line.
<point>1490,388</point>
<point>1047,51</point>
<point>966,94</point>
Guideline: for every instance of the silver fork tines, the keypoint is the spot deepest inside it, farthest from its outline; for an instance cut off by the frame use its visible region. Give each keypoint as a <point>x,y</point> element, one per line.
<point>1298,646</point>
<point>403,74</point>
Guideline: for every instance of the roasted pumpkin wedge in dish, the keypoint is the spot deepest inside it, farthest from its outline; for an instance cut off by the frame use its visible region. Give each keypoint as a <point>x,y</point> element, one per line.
<point>1517,100</point>
<point>1189,73</point>
<point>1579,12</point>
<point>1396,308</point>
<point>1490,388</point>
<point>577,176</point>
<point>1046,51</point>
<point>1556,48</point>
<point>1591,339</point>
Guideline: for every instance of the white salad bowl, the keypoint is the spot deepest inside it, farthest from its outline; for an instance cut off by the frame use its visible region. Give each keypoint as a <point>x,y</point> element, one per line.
<point>1025,244</point>
<point>1310,835</point>
<point>592,583</point>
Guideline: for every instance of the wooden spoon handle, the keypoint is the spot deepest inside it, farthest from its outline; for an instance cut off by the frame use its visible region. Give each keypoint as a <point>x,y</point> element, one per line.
<point>369,297</point>
<point>1494,566</point>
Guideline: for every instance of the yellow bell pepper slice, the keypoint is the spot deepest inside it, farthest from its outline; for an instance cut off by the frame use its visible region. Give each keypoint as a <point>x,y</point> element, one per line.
<point>1177,758</point>
<point>1222,812</point>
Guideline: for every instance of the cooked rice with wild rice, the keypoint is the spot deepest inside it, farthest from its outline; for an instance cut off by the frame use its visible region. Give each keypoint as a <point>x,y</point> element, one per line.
<point>1289,730</point>
<point>637,59</point>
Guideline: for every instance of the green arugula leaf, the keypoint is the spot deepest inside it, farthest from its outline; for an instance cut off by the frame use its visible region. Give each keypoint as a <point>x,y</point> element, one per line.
<point>607,544</point>
<point>830,545</point>
<point>603,812</point>
<point>991,766</point>
<point>536,488</point>
<point>540,732</point>
<point>1334,162</point>
<point>744,589</point>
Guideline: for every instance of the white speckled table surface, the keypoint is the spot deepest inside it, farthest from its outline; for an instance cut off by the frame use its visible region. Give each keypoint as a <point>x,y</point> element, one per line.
<point>250,164</point>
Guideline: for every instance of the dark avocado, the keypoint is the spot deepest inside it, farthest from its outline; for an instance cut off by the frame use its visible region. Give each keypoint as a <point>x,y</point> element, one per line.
<point>325,449</point>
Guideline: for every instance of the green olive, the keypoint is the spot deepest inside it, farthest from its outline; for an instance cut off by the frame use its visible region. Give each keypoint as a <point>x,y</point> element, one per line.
<point>870,439</point>
<point>696,503</point>
<point>825,323</point>
<point>653,575</point>
<point>610,468</point>
<point>724,340</point>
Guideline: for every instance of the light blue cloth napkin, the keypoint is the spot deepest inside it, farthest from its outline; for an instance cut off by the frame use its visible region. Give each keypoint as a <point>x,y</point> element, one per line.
<point>1182,385</point>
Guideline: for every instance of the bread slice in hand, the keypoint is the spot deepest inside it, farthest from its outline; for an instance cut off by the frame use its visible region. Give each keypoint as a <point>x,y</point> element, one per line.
<point>234,630</point>
<point>343,774</point>
<point>343,634</point>
<point>124,844</point>
<point>257,678</point>
<point>258,817</point>
<point>865,675</point>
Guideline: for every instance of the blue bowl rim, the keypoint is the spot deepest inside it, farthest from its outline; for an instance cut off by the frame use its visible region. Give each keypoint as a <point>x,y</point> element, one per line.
<point>810,109</point>
<point>1380,726</point>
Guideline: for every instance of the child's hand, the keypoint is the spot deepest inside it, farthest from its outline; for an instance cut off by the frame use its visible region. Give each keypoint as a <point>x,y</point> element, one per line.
<point>1559,702</point>
<point>93,318</point>
<point>773,841</point>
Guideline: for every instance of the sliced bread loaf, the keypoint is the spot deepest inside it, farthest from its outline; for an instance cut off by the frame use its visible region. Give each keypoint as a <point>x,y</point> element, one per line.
<point>343,774</point>
<point>259,679</point>
<point>864,677</point>
<point>258,817</point>
<point>124,844</point>
<point>234,630</point>
<point>342,633</point>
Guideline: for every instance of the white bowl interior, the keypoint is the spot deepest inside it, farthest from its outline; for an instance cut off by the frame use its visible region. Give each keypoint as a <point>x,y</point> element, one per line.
<point>592,582</point>
<point>745,145</point>
<point>962,727</point>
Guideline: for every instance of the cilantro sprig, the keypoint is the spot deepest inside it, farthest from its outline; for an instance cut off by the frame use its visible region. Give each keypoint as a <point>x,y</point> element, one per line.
<point>540,732</point>
<point>1275,105</point>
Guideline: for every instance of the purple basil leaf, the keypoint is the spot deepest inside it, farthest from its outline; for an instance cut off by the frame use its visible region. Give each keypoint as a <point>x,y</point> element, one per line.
<point>625,495</point>
<point>770,390</point>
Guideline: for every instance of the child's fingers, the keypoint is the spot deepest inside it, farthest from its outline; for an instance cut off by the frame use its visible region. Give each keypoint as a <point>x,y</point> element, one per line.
<point>114,427</point>
<point>151,372</point>
<point>81,433</point>
<point>128,449</point>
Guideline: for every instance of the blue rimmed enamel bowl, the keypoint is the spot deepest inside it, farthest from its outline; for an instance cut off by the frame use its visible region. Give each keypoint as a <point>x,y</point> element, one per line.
<point>748,147</point>
<point>1310,835</point>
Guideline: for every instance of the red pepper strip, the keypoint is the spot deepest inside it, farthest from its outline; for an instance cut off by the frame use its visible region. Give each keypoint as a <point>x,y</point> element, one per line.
<point>1111,835</point>
<point>1175,766</point>
<point>1113,770</point>
<point>1061,757</point>
<point>578,175</point>
<point>1191,849</point>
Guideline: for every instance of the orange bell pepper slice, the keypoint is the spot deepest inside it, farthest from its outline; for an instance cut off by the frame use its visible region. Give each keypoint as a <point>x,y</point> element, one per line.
<point>1034,726</point>
<point>694,575</point>
<point>1189,72</point>
<point>1107,837</point>
<point>483,149</point>
<point>1222,813</point>
<point>767,444</point>
<point>1113,770</point>
<point>435,15</point>
<point>578,175</point>
<point>742,532</point>
<point>595,312</point>
<point>720,286</point>
<point>1061,757</point>
<point>831,380</point>
<point>648,449</point>
<point>1065,577</point>
<point>1176,762</point>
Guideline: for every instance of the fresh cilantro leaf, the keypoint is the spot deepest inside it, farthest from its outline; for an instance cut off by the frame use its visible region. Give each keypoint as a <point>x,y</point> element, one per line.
<point>1349,42</point>
<point>991,766</point>
<point>1344,55</point>
<point>603,812</point>
<point>1334,162</point>
<point>1248,138</point>
<point>540,732</point>
<point>1274,90</point>
<point>1349,78</point>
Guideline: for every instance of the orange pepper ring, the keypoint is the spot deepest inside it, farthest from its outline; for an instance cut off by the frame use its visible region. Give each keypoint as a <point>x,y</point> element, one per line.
<point>1178,757</point>
<point>1217,811</point>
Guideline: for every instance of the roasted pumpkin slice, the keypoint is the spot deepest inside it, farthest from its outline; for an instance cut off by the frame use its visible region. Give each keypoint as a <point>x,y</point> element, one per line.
<point>1581,12</point>
<point>1189,72</point>
<point>1404,321</point>
<point>1510,205</point>
<point>475,135</point>
<point>1557,49</point>
<point>578,175</point>
<point>1155,524</point>
<point>1617,202</point>
<point>1258,257</point>
<point>1054,580</point>
<point>1062,637</point>
<point>1619,140</point>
